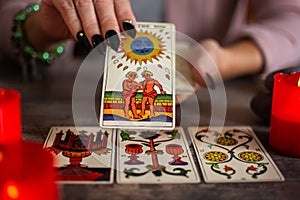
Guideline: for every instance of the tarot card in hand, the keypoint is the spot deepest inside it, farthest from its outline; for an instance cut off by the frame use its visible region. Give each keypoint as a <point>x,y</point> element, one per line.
<point>138,84</point>
<point>82,154</point>
<point>154,157</point>
<point>232,154</point>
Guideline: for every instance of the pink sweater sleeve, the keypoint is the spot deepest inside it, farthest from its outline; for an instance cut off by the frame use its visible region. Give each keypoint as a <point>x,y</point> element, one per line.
<point>276,30</point>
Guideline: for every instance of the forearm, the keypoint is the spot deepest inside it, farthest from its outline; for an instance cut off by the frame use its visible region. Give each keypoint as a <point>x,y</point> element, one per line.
<point>159,86</point>
<point>275,29</point>
<point>242,58</point>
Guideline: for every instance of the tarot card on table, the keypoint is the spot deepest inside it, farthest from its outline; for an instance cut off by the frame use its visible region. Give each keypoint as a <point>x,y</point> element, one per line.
<point>154,157</point>
<point>82,154</point>
<point>138,84</point>
<point>232,155</point>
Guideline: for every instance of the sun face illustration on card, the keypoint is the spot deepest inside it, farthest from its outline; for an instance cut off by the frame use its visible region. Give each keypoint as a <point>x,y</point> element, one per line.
<point>138,84</point>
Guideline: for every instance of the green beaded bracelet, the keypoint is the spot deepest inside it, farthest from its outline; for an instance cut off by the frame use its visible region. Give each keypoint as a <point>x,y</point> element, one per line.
<point>18,37</point>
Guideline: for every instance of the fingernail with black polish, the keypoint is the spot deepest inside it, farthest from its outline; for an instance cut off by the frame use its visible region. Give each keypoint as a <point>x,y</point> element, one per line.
<point>129,28</point>
<point>96,40</point>
<point>112,39</point>
<point>83,41</point>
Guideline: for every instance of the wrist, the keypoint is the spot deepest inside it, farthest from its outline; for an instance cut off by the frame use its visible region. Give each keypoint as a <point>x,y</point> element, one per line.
<point>34,34</point>
<point>242,58</point>
<point>27,44</point>
<point>227,64</point>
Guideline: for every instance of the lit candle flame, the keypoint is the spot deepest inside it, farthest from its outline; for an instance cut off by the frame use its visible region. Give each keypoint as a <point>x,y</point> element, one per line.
<point>12,190</point>
<point>299,82</point>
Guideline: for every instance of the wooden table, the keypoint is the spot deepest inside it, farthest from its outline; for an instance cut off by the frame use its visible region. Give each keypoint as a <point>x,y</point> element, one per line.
<point>48,103</point>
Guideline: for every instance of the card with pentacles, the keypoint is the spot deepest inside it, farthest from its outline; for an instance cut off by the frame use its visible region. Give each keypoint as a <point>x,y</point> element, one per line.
<point>232,154</point>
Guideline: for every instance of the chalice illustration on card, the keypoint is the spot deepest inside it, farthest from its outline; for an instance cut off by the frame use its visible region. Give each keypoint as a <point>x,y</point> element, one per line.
<point>76,147</point>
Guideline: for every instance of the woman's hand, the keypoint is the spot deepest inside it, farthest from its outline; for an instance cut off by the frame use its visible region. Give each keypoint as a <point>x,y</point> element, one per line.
<point>206,61</point>
<point>87,21</point>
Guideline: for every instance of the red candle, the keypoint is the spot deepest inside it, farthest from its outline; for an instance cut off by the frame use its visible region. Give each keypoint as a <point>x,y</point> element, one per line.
<point>26,172</point>
<point>285,120</point>
<point>10,117</point>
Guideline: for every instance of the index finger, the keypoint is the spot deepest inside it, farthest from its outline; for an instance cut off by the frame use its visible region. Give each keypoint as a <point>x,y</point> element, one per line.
<point>108,22</point>
<point>68,12</point>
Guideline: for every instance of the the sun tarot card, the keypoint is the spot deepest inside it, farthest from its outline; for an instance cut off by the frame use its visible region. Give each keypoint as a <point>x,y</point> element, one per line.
<point>139,80</point>
<point>232,154</point>
<point>154,157</point>
<point>82,154</point>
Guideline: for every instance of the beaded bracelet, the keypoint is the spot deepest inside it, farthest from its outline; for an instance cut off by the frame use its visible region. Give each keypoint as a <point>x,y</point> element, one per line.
<point>18,37</point>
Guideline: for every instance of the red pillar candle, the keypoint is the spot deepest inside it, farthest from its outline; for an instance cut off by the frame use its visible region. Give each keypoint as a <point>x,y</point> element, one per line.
<point>10,116</point>
<point>26,173</point>
<point>285,120</point>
